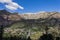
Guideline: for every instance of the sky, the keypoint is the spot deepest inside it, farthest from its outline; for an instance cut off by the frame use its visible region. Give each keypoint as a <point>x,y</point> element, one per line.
<point>30,6</point>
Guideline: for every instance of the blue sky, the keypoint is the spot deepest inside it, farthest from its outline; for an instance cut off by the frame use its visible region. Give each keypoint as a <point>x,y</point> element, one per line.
<point>34,5</point>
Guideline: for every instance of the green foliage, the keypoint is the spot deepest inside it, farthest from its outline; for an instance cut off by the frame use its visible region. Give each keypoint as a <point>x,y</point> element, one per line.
<point>20,29</point>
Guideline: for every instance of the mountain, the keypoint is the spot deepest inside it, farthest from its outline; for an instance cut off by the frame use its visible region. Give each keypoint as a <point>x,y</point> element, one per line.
<point>41,15</point>
<point>16,16</point>
<point>15,23</point>
<point>50,17</point>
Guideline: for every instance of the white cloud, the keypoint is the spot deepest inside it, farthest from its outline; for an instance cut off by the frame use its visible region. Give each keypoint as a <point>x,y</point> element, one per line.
<point>11,5</point>
<point>5,1</point>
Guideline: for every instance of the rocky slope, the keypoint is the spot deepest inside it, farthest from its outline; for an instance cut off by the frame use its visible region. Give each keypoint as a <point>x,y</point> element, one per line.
<point>50,17</point>
<point>16,16</point>
<point>40,15</point>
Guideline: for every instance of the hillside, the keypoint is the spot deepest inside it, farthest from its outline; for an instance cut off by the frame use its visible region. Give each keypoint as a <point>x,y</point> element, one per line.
<point>37,17</point>
<point>33,25</point>
<point>16,16</point>
<point>40,15</point>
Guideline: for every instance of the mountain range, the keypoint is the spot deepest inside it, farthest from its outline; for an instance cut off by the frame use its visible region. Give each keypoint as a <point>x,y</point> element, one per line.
<point>50,17</point>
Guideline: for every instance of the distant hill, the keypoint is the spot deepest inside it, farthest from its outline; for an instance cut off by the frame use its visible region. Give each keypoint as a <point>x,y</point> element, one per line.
<point>41,15</point>
<point>2,12</point>
<point>50,17</point>
<point>16,16</point>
